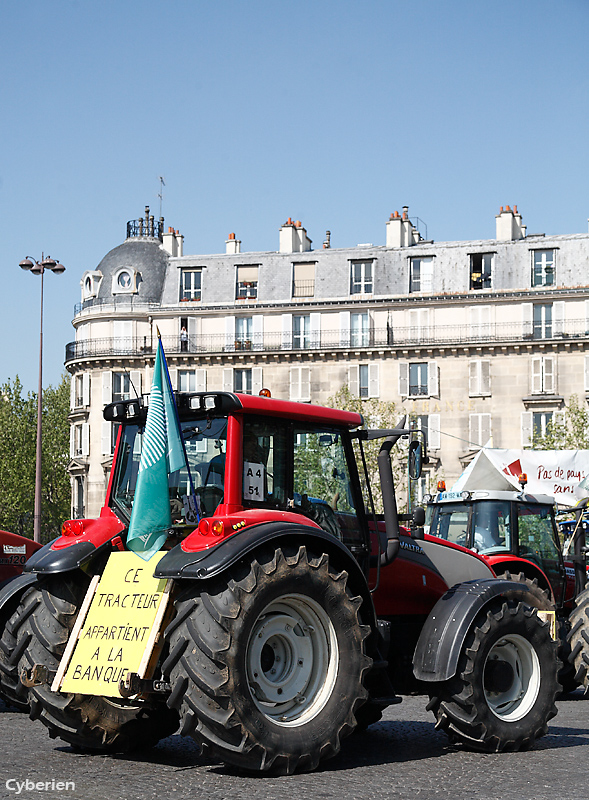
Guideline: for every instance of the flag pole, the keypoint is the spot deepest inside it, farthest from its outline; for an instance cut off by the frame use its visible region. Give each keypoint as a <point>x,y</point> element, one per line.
<point>169,381</point>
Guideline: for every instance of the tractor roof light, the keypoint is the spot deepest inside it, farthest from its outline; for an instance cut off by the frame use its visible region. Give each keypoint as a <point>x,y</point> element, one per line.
<point>523,479</point>
<point>441,486</point>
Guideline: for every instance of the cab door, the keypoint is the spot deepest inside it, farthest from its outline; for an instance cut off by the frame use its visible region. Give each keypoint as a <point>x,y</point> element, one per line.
<point>537,542</point>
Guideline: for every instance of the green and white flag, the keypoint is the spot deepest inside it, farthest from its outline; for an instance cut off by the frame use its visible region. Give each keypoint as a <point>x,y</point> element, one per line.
<point>161,454</point>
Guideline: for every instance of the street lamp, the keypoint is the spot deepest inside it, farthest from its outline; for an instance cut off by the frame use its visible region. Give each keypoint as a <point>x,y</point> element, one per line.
<point>38,268</point>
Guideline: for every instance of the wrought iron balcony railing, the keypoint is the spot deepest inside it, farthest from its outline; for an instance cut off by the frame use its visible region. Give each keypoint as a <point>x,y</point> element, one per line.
<point>332,340</point>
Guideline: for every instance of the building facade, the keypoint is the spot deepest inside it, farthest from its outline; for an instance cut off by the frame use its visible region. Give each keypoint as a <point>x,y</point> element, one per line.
<point>481,341</point>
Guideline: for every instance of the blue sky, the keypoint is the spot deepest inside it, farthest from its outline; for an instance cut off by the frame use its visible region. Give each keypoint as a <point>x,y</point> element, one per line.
<point>334,113</point>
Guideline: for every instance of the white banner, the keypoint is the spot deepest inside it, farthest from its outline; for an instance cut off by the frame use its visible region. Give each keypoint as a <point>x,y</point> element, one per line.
<point>556,473</point>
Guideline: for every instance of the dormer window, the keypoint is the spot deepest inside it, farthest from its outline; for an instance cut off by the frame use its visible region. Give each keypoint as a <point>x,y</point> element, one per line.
<point>90,284</point>
<point>124,281</point>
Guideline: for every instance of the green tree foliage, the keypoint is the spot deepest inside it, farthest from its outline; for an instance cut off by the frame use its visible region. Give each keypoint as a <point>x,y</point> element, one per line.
<point>376,414</point>
<point>568,431</point>
<point>18,436</point>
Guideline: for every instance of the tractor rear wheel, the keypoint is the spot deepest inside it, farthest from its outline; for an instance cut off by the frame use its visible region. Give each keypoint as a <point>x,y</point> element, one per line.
<point>267,661</point>
<point>579,639</point>
<point>504,691</point>
<point>41,626</point>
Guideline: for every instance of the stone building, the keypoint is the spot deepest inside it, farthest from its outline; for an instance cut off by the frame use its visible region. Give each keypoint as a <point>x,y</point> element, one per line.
<point>480,340</point>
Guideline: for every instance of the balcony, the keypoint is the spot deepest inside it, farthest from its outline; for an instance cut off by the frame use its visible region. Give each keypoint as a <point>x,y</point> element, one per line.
<point>331,340</point>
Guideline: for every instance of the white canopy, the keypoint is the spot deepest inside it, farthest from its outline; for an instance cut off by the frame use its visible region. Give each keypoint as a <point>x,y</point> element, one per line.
<point>557,473</point>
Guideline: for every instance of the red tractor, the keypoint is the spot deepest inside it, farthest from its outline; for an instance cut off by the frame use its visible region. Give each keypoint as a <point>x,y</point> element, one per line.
<point>517,535</point>
<point>14,552</point>
<point>296,613</point>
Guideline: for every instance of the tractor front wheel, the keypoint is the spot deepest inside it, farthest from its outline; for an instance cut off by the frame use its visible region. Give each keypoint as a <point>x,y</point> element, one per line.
<point>267,661</point>
<point>504,691</point>
<point>40,627</point>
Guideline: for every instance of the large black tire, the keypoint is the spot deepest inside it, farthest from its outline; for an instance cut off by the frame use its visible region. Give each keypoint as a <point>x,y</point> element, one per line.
<point>579,639</point>
<point>540,599</point>
<point>42,625</point>
<point>504,691</point>
<point>267,662</point>
<point>12,690</point>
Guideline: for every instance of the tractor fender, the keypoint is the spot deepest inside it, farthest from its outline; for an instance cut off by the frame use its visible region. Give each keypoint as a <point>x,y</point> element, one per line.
<point>440,643</point>
<point>14,587</point>
<point>205,564</point>
<point>47,561</point>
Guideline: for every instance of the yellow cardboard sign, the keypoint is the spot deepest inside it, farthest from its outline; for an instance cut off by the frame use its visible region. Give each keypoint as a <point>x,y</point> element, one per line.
<point>118,632</point>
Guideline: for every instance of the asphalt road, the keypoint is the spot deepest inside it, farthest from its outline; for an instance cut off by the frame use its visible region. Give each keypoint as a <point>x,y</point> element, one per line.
<point>400,757</point>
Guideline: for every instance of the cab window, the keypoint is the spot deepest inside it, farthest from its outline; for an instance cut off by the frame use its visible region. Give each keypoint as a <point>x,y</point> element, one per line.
<point>492,526</point>
<point>450,522</point>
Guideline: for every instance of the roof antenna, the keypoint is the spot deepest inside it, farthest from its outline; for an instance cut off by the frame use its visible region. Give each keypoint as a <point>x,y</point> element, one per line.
<point>160,194</point>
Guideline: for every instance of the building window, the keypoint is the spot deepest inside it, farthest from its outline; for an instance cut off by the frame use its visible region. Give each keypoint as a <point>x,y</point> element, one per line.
<point>418,379</point>
<point>430,425</point>
<point>542,321</point>
<point>480,270</point>
<point>542,381</point>
<point>79,391</point>
<point>363,380</point>
<point>79,498</point>
<point>242,381</point>
<point>421,275</point>
<point>247,283</point>
<point>479,429</point>
<point>479,377</point>
<point>190,284</point>
<point>301,332</point>
<point>303,281</point>
<point>121,386</point>
<point>300,384</point>
<point>359,330</point>
<point>186,380</point>
<point>243,333</point>
<point>543,268</point>
<point>114,433</point>
<point>361,277</point>
<point>541,420</point>
<point>81,440</point>
<point>124,281</point>
<point>91,284</point>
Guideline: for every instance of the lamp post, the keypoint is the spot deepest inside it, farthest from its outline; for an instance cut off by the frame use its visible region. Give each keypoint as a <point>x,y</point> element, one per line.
<point>38,268</point>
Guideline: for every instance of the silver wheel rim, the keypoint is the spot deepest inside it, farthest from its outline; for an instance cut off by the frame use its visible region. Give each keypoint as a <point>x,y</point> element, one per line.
<point>517,654</point>
<point>292,660</point>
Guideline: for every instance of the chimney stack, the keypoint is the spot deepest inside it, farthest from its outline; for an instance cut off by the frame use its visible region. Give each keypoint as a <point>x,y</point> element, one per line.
<point>293,238</point>
<point>232,245</point>
<point>400,230</point>
<point>508,225</point>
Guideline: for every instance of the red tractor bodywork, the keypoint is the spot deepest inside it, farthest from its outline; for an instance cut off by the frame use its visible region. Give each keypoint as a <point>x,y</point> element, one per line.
<point>15,550</point>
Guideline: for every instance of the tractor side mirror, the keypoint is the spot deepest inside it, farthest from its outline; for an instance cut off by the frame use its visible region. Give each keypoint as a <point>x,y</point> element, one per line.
<point>415,459</point>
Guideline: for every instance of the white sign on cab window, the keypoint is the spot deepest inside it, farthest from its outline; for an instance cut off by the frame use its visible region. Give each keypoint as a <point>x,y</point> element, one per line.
<point>253,481</point>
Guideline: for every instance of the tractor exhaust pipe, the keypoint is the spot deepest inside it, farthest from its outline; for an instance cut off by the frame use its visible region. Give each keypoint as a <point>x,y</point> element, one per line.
<point>390,547</point>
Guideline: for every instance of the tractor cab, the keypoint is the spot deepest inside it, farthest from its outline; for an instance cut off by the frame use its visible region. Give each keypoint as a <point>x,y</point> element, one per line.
<point>501,526</point>
<point>251,460</point>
